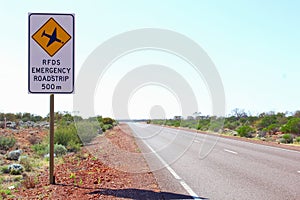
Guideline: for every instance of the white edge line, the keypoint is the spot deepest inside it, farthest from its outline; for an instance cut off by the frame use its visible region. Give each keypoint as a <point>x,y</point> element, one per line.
<point>261,145</point>
<point>240,141</point>
<point>182,182</point>
<point>229,151</point>
<point>189,190</point>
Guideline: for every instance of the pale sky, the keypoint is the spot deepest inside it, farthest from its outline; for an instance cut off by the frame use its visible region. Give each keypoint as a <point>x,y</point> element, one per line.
<point>254,45</point>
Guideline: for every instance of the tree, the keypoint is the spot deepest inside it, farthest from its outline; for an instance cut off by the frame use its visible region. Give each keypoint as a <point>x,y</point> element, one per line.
<point>273,128</point>
<point>292,126</point>
<point>37,118</point>
<point>10,117</point>
<point>239,113</point>
<point>266,121</point>
<point>297,114</point>
<point>26,117</point>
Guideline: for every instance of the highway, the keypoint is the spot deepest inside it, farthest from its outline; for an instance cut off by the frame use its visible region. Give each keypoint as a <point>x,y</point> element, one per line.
<point>210,167</point>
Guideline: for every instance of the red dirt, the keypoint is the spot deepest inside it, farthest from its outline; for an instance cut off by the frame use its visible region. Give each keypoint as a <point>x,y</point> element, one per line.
<point>84,176</point>
<point>25,137</point>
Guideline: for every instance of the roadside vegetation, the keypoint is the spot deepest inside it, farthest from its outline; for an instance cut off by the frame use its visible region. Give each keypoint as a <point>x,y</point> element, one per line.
<point>274,127</point>
<point>24,147</point>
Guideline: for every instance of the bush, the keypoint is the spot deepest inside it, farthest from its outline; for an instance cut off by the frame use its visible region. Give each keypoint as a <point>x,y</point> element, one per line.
<point>73,146</point>
<point>176,123</point>
<point>40,149</point>
<point>5,192</point>
<point>108,120</point>
<point>297,139</point>
<point>106,127</point>
<point>65,134</point>
<point>272,128</point>
<point>282,140</point>
<point>26,162</point>
<point>204,128</point>
<point>245,131</point>
<point>59,150</point>
<point>87,130</point>
<point>6,142</point>
<point>4,169</point>
<point>292,126</point>
<point>232,125</point>
<point>43,149</point>
<point>288,138</point>
<point>216,124</point>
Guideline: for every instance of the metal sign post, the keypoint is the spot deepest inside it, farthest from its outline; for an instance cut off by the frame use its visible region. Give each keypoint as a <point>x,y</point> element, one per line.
<point>51,61</point>
<point>51,163</point>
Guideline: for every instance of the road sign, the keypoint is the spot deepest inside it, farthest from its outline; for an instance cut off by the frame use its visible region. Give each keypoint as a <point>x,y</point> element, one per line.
<point>51,53</point>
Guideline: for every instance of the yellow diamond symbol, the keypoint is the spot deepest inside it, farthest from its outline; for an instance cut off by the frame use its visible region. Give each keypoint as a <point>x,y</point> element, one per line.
<point>51,37</point>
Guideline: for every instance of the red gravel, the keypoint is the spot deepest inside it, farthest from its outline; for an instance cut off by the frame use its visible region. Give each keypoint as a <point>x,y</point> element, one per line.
<point>84,176</point>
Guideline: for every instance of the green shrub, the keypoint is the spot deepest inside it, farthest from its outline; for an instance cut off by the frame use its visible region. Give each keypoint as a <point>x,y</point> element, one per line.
<point>282,140</point>
<point>198,126</point>
<point>190,126</point>
<point>176,123</point>
<point>204,128</point>
<point>245,131</point>
<point>6,142</point>
<point>4,169</point>
<point>26,162</point>
<point>292,126</point>
<point>59,150</point>
<point>231,125</point>
<point>5,192</point>
<point>43,149</point>
<point>87,130</point>
<point>15,172</point>
<point>73,146</point>
<point>288,138</point>
<point>65,134</point>
<point>40,149</point>
<point>297,139</point>
<point>106,127</point>
<point>108,120</point>
<point>272,128</point>
<point>216,124</point>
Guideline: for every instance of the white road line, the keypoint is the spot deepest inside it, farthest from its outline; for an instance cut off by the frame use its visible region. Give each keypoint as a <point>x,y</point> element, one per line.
<point>239,141</point>
<point>197,141</point>
<point>182,182</point>
<point>261,145</point>
<point>229,151</point>
<point>189,190</point>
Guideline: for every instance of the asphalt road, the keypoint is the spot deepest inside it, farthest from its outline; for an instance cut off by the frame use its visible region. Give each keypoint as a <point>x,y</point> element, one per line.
<point>211,167</point>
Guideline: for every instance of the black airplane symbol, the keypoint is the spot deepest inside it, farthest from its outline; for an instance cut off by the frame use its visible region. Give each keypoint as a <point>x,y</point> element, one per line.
<point>52,37</point>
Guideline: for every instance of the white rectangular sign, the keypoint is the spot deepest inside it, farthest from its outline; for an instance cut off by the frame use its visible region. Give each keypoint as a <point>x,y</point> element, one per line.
<point>51,53</point>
